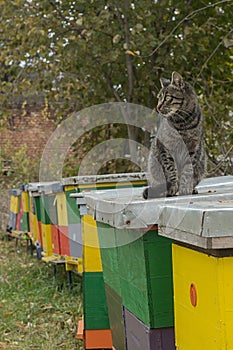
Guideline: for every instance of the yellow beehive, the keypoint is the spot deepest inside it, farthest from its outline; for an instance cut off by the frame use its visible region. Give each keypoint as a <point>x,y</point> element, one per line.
<point>62,209</point>
<point>203,292</point>
<point>33,227</point>
<point>47,239</point>
<point>74,264</point>
<point>14,204</point>
<point>25,202</point>
<point>91,251</point>
<point>34,234</point>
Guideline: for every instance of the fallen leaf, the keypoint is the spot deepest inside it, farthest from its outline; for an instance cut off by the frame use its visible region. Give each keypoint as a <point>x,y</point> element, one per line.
<point>7,313</point>
<point>69,321</point>
<point>47,307</point>
<point>128,52</point>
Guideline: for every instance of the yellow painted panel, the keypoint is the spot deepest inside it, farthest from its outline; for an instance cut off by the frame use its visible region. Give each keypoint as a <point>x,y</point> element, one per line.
<point>111,184</point>
<point>14,204</point>
<point>25,200</point>
<point>74,264</point>
<point>31,209</point>
<point>33,223</point>
<point>91,251</point>
<point>62,209</point>
<point>226,289</point>
<point>33,227</point>
<point>209,324</point>
<point>70,187</point>
<point>47,239</point>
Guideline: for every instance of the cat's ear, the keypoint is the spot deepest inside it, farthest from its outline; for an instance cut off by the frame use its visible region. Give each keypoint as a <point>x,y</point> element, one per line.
<point>177,80</point>
<point>164,82</point>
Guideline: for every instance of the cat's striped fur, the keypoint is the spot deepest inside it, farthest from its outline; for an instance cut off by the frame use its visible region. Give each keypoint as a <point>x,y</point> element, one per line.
<point>177,160</point>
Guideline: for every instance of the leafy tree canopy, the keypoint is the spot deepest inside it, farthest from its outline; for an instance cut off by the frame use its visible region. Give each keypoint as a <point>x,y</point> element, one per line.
<point>81,53</point>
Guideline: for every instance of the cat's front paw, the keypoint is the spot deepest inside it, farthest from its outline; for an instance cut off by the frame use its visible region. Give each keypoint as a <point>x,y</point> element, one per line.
<point>186,189</point>
<point>172,189</point>
<point>188,192</point>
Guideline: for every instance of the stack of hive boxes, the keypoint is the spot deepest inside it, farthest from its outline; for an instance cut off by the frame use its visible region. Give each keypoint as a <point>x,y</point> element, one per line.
<point>138,284</point>
<point>19,212</point>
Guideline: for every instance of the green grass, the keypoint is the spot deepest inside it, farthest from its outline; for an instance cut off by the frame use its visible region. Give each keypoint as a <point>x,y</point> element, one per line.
<point>36,310</point>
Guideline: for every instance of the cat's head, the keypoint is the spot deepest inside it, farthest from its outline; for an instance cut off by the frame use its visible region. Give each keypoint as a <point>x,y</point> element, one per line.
<point>175,95</point>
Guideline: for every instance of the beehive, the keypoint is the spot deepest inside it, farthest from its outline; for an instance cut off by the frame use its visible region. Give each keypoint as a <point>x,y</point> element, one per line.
<point>137,269</point>
<point>202,266</point>
<point>96,313</point>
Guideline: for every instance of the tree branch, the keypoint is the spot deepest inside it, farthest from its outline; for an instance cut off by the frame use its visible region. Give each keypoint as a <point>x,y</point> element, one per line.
<point>129,65</point>
<point>189,16</point>
<point>219,164</point>
<point>110,84</point>
<point>212,54</point>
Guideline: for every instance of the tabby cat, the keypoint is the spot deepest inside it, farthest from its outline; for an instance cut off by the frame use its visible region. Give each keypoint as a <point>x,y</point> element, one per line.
<point>177,160</point>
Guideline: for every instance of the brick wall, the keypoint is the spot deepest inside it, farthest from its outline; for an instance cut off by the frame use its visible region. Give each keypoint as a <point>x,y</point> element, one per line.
<point>33,130</point>
<point>30,128</point>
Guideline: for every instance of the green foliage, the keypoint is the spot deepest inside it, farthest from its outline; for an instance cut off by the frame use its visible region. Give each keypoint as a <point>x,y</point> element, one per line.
<point>78,54</point>
<point>89,140</point>
<point>17,168</point>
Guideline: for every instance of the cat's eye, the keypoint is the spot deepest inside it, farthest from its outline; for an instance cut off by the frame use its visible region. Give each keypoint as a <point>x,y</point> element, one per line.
<point>167,98</point>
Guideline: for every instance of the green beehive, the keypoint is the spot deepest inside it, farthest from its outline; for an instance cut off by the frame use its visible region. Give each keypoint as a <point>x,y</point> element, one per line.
<point>24,222</point>
<point>137,266</point>
<point>23,225</point>
<point>94,301</point>
<point>37,202</point>
<point>109,256</point>
<point>72,212</point>
<point>74,223</point>
<point>96,311</point>
<point>44,207</point>
<point>146,276</point>
<point>52,209</point>
<point>137,263</point>
<point>34,212</point>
